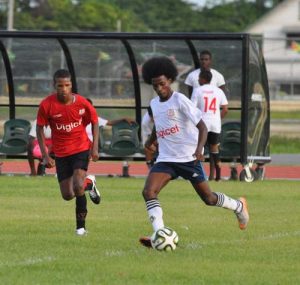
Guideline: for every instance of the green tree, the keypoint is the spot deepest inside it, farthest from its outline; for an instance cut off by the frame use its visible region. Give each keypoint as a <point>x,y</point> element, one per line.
<point>136,15</point>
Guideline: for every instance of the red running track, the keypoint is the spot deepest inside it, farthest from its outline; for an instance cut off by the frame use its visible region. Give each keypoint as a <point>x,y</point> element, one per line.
<point>105,168</point>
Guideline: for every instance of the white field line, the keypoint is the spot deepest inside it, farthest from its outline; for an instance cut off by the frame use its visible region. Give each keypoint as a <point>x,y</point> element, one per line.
<point>28,262</point>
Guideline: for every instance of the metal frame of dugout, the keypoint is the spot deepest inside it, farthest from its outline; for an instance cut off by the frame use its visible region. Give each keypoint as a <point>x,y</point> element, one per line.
<point>107,68</point>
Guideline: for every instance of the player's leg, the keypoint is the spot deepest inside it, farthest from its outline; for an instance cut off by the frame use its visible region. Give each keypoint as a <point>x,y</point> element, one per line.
<point>211,167</point>
<point>65,171</point>
<point>211,159</point>
<point>65,177</point>
<point>194,172</point>
<point>214,153</point>
<point>30,157</point>
<point>154,183</point>
<point>158,177</point>
<point>79,163</point>
<point>81,202</point>
<point>239,206</point>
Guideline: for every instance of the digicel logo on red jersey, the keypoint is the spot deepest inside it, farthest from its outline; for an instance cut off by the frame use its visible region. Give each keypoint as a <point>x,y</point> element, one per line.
<point>68,127</point>
<point>167,132</point>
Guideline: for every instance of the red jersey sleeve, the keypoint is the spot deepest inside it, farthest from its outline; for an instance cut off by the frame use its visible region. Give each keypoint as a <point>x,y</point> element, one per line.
<point>42,117</point>
<point>91,115</point>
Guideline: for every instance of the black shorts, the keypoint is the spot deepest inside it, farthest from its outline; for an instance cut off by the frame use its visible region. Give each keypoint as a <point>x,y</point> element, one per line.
<point>65,166</point>
<point>213,138</point>
<point>187,170</point>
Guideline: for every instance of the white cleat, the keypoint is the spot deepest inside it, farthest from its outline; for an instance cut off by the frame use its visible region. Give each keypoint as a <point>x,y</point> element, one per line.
<point>81,232</point>
<point>243,216</point>
<point>93,191</point>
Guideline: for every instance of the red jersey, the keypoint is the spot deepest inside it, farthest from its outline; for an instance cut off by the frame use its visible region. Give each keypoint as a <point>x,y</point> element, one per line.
<point>67,123</point>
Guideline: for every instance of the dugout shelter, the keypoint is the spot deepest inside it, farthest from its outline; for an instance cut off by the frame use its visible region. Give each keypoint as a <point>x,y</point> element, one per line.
<point>106,67</point>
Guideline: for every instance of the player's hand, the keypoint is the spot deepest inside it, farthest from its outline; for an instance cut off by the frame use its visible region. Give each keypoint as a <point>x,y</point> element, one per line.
<point>130,121</point>
<point>94,156</point>
<point>198,155</point>
<point>48,161</point>
<point>151,149</point>
<point>148,144</point>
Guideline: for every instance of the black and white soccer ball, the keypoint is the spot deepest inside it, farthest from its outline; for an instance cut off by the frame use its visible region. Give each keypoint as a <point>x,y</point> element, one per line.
<point>164,239</point>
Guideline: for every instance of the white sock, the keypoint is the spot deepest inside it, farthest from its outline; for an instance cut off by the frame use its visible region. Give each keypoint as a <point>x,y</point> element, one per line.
<point>229,203</point>
<point>155,214</point>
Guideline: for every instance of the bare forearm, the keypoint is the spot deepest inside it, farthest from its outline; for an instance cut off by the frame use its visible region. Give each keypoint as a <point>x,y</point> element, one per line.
<point>202,136</point>
<point>41,139</point>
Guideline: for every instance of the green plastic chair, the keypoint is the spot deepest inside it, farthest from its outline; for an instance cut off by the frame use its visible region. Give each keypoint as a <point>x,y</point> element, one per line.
<point>230,144</point>
<point>124,140</point>
<point>15,137</point>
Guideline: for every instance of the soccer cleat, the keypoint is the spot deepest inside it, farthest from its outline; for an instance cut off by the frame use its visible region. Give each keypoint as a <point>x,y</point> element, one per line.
<point>146,241</point>
<point>81,232</point>
<point>91,187</point>
<point>243,216</point>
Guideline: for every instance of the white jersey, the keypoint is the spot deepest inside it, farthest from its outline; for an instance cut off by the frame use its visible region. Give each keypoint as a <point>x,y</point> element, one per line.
<point>209,99</point>
<point>175,122</point>
<point>47,131</point>
<point>102,123</point>
<point>193,78</point>
<point>147,127</point>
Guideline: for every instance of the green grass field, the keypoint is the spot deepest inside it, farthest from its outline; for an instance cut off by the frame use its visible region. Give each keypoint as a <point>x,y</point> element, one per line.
<point>39,246</point>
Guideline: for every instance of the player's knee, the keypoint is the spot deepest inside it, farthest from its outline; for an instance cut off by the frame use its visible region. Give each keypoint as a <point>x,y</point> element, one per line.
<point>78,187</point>
<point>67,196</point>
<point>149,193</point>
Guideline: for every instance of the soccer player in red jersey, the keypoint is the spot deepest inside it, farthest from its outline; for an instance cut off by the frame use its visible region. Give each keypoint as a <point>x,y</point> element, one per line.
<point>68,114</point>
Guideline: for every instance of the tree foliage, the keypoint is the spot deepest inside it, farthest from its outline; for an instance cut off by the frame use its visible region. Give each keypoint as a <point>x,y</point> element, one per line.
<point>135,15</point>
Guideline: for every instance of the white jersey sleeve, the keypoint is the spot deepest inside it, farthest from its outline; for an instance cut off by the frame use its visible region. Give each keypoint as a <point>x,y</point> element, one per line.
<point>47,131</point>
<point>217,78</point>
<point>102,123</point>
<point>147,126</point>
<point>32,132</point>
<point>192,78</point>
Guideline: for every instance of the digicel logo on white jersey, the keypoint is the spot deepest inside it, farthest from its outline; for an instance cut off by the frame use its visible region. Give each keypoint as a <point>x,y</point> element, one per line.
<point>167,132</point>
<point>68,127</point>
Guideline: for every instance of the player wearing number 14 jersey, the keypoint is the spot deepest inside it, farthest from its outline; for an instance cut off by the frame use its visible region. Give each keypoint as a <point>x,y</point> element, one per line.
<point>210,99</point>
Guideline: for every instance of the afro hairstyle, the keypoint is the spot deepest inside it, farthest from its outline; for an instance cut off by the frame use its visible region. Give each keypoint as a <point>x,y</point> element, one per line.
<point>158,66</point>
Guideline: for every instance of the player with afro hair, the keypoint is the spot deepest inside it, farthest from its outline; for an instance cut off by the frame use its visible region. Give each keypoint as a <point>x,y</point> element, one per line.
<point>158,66</point>
<point>181,135</point>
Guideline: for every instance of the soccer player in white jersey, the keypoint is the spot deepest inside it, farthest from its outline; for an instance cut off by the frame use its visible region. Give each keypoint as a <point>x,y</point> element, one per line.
<point>181,134</point>
<point>192,80</point>
<point>209,99</point>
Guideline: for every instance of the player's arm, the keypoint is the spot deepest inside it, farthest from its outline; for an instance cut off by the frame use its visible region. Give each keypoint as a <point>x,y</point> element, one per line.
<point>190,90</point>
<point>113,122</point>
<point>224,111</point>
<point>48,161</point>
<point>94,150</point>
<point>202,137</point>
<point>224,89</point>
<point>152,139</point>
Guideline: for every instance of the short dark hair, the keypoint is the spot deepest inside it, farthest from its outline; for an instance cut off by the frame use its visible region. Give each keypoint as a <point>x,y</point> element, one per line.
<point>206,75</point>
<point>158,66</point>
<point>206,52</point>
<point>61,73</point>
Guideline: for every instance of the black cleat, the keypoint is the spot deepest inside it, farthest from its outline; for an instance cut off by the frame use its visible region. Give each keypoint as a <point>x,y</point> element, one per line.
<point>146,241</point>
